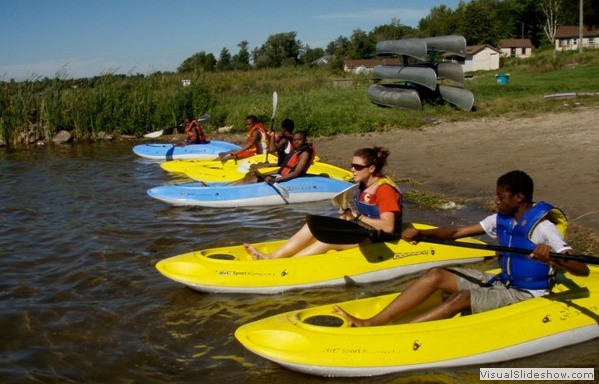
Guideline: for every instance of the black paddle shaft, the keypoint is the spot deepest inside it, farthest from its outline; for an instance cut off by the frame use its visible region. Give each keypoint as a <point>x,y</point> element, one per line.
<point>337,231</point>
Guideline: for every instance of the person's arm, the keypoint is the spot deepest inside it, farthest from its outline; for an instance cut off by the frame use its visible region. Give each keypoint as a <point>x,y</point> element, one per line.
<point>302,167</point>
<point>411,234</point>
<point>542,253</point>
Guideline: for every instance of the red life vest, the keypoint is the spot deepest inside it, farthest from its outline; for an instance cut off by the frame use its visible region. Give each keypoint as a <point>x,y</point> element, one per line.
<point>195,135</point>
<point>263,144</point>
<point>292,160</point>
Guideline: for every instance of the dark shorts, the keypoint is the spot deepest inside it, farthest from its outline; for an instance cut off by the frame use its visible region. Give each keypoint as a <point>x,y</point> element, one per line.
<point>484,298</point>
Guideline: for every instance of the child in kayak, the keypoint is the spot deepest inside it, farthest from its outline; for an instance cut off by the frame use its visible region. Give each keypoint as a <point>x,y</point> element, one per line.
<point>379,205</point>
<point>194,132</point>
<point>295,164</point>
<point>518,223</point>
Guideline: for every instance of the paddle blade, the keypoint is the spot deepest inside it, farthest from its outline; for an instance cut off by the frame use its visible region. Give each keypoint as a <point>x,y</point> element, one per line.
<point>344,198</point>
<point>204,119</point>
<point>336,231</point>
<point>154,134</point>
<point>275,101</point>
<point>282,190</point>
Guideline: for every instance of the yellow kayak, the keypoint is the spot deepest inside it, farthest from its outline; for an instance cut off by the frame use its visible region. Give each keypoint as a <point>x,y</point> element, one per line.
<point>317,341</point>
<point>231,170</point>
<point>231,269</point>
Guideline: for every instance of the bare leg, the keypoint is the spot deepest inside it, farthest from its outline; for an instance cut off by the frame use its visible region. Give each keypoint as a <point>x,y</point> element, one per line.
<point>301,239</point>
<point>420,290</point>
<point>453,305</point>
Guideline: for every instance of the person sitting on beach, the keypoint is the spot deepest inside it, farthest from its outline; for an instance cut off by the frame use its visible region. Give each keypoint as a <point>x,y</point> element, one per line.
<point>379,205</point>
<point>294,165</point>
<point>518,223</point>
<point>194,133</point>
<point>257,139</point>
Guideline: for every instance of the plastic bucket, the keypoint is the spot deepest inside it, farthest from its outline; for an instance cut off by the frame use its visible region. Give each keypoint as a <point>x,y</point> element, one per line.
<point>502,79</point>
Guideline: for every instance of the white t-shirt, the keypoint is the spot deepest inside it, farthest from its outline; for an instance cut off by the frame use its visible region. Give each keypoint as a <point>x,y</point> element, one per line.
<point>544,233</point>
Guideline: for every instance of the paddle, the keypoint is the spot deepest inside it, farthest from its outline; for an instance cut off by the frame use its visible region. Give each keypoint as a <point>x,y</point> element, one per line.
<point>275,102</point>
<point>284,193</point>
<point>344,198</point>
<point>202,119</point>
<point>336,231</point>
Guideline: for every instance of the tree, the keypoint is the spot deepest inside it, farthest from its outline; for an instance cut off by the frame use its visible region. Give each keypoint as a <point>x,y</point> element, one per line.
<point>224,60</point>
<point>439,22</point>
<point>550,9</point>
<point>479,22</point>
<point>393,31</point>
<point>361,45</point>
<point>242,59</point>
<point>279,50</point>
<point>200,61</point>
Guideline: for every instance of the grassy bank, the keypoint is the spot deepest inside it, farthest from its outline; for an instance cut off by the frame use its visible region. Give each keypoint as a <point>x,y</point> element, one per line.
<point>320,102</point>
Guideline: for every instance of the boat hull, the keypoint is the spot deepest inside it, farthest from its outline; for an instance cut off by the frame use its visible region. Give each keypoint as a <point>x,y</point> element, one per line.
<point>164,152</point>
<point>300,190</point>
<point>302,341</point>
<point>232,270</point>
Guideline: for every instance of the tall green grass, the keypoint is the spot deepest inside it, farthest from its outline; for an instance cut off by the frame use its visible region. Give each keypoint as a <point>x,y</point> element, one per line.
<point>315,98</point>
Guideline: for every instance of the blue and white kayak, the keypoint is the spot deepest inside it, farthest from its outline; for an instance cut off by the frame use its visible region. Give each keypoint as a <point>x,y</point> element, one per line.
<point>166,151</point>
<point>221,195</point>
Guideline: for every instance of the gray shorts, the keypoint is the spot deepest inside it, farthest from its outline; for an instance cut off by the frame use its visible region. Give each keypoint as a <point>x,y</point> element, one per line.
<point>486,298</point>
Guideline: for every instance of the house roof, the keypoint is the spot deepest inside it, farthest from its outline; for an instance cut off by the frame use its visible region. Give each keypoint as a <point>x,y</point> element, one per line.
<point>572,31</point>
<point>474,49</point>
<point>371,63</point>
<point>515,43</point>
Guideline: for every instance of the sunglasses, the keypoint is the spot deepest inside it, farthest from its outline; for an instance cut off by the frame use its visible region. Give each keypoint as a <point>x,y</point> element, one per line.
<point>359,167</point>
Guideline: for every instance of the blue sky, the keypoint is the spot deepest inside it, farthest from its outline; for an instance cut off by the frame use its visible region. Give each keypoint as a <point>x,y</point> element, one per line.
<point>84,38</point>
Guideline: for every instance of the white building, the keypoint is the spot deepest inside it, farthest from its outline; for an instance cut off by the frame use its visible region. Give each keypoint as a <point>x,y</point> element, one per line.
<point>481,58</point>
<point>567,36</point>
<point>521,48</point>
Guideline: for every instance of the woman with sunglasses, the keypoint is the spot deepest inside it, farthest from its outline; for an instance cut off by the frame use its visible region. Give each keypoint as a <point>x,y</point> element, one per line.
<point>378,202</point>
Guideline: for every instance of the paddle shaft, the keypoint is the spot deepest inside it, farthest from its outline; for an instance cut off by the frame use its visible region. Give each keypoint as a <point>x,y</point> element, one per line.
<point>275,102</point>
<point>280,189</point>
<point>337,231</point>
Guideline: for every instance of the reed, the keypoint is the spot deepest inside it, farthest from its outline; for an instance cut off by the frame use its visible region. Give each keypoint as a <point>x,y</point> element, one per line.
<point>320,101</point>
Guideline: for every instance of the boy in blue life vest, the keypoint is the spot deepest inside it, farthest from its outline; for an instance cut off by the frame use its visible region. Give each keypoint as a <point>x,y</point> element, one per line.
<point>518,223</point>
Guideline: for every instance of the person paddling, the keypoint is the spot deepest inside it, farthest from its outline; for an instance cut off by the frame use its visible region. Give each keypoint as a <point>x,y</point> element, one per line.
<point>257,139</point>
<point>295,164</point>
<point>379,205</point>
<point>518,223</point>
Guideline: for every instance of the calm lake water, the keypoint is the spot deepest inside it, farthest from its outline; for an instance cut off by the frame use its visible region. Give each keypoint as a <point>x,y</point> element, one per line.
<point>82,301</point>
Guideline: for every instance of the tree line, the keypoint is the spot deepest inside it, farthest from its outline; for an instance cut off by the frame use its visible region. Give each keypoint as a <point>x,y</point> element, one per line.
<point>479,21</point>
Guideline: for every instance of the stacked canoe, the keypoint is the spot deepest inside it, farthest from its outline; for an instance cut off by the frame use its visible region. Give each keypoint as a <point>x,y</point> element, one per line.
<point>421,76</point>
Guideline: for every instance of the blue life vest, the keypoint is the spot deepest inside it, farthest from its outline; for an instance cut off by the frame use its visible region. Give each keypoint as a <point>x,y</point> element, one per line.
<point>519,270</point>
<point>372,210</point>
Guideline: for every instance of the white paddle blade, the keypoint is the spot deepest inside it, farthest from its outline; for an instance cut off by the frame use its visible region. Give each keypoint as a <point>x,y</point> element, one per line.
<point>153,135</point>
<point>282,190</point>
<point>204,119</point>
<point>275,101</point>
<point>345,198</point>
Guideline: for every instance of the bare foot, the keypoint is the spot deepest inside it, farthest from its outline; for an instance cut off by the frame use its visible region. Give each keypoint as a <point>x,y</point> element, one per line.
<point>351,320</point>
<point>256,254</point>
